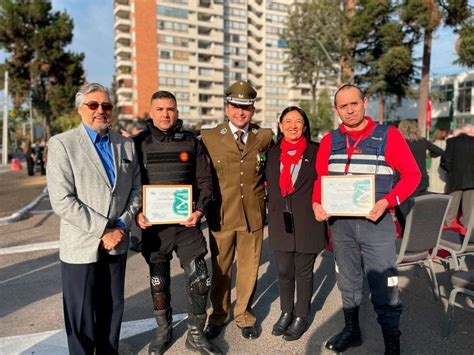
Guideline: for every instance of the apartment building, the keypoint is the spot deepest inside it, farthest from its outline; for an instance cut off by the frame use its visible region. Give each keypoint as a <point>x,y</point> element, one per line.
<point>196,48</point>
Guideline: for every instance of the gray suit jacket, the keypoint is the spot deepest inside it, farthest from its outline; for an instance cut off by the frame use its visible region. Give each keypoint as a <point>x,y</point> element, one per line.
<point>81,195</point>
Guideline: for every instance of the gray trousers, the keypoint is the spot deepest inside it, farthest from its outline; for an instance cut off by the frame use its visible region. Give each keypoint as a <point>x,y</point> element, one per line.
<point>465,198</point>
<point>364,247</point>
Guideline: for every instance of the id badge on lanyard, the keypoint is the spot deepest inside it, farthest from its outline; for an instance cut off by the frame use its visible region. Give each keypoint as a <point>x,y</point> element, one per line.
<point>350,151</point>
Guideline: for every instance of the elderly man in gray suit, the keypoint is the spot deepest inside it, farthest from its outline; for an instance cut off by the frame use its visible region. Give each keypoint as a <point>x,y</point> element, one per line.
<point>94,186</point>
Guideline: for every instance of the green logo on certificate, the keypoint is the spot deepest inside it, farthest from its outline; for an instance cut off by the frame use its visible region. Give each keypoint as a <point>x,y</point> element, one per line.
<point>181,206</point>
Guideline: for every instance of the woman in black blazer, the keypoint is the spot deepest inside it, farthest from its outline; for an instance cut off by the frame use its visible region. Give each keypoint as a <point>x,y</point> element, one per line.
<point>294,234</point>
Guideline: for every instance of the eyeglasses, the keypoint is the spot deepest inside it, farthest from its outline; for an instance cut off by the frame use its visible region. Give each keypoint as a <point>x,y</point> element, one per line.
<point>93,105</point>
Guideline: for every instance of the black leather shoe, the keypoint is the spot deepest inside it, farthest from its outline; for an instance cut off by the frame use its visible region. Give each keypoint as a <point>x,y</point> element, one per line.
<point>212,331</point>
<point>282,323</point>
<point>350,336</point>
<point>250,333</point>
<point>296,329</point>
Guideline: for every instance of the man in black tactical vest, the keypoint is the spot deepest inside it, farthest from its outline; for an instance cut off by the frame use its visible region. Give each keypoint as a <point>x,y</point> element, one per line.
<point>170,155</point>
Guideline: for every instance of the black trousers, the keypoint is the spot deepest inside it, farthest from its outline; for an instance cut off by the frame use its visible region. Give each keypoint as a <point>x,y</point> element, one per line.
<point>295,269</point>
<point>93,301</point>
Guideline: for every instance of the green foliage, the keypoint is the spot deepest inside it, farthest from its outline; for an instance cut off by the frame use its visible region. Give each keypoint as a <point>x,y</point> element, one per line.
<point>384,49</point>
<point>465,46</point>
<point>65,122</point>
<point>324,120</point>
<point>38,65</point>
<point>313,37</point>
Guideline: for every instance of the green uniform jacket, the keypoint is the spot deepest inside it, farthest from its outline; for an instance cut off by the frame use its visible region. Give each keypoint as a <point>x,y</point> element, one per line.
<point>239,194</point>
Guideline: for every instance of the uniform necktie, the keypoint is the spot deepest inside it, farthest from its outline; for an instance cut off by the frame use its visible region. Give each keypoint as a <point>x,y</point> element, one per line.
<point>240,140</point>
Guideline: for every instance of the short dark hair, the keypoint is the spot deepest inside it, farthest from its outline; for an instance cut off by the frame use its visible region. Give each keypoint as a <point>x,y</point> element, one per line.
<point>349,86</point>
<point>162,94</point>
<point>306,132</point>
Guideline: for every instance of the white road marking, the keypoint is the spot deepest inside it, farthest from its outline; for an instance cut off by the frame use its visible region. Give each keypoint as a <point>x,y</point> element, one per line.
<point>55,341</point>
<point>29,272</point>
<point>30,247</point>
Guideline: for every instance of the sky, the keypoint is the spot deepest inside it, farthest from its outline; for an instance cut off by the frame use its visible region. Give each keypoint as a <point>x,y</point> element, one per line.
<point>94,36</point>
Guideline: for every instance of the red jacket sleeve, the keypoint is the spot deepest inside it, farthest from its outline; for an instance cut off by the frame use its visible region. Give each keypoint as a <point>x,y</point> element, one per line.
<point>398,155</point>
<point>322,161</point>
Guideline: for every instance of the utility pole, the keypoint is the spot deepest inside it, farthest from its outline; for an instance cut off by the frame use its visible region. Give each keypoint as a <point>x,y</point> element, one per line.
<point>5,123</point>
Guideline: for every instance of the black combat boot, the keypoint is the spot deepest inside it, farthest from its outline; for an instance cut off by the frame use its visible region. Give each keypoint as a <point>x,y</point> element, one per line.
<point>164,333</point>
<point>196,340</point>
<point>350,335</point>
<point>392,342</point>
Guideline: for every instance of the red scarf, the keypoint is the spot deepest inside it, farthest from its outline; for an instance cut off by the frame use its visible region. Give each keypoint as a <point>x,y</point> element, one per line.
<point>286,185</point>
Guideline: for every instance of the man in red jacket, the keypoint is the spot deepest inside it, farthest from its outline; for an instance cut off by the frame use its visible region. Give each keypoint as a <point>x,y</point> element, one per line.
<point>366,245</point>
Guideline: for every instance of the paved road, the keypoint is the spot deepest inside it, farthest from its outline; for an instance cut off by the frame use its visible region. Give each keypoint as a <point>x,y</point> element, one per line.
<point>32,321</point>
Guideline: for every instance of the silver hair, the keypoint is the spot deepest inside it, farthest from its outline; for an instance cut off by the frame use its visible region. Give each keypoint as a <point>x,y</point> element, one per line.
<point>87,89</point>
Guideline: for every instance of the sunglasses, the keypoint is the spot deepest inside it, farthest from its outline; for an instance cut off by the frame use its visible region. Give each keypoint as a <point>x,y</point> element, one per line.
<point>93,105</point>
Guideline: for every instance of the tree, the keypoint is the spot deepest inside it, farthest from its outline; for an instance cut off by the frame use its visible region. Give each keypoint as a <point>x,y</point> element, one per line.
<point>426,16</point>
<point>324,120</point>
<point>383,54</point>
<point>313,38</point>
<point>465,45</point>
<point>39,67</point>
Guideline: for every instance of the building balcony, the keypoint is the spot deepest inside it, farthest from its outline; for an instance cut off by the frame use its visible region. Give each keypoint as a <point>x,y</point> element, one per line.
<point>122,25</point>
<point>123,52</point>
<point>123,65</point>
<point>122,11</point>
<point>122,2</point>
<point>124,92</point>
<point>123,38</point>
<point>123,76</point>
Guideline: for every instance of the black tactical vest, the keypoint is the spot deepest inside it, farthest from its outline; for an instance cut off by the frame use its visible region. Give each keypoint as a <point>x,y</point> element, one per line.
<point>170,159</point>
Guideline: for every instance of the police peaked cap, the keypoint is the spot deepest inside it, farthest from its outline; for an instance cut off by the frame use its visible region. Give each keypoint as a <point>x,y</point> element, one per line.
<point>240,93</point>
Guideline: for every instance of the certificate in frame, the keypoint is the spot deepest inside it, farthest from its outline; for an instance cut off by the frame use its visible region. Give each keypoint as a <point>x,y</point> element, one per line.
<point>167,204</point>
<point>348,195</point>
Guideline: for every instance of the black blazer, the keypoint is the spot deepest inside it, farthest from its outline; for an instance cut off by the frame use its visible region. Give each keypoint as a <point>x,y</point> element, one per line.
<point>308,235</point>
<point>458,162</point>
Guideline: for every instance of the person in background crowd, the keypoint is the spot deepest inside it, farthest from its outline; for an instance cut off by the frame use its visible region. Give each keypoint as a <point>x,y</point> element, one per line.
<point>459,164</point>
<point>237,214</point>
<point>366,245</point>
<point>94,186</point>
<point>437,175</point>
<point>294,234</point>
<point>418,146</point>
<point>170,155</point>
<point>29,157</point>
<point>38,153</point>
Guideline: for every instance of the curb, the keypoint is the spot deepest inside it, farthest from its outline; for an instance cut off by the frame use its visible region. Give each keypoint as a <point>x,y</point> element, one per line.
<point>20,214</point>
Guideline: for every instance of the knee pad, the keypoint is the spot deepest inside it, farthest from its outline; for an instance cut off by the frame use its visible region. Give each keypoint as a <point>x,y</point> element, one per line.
<point>160,285</point>
<point>199,281</point>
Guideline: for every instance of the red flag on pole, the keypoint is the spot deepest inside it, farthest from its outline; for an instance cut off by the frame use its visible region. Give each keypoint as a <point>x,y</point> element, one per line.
<point>428,115</point>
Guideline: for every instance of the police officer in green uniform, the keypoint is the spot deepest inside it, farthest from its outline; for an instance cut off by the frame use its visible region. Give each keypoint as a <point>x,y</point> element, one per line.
<point>236,216</point>
<point>170,155</point>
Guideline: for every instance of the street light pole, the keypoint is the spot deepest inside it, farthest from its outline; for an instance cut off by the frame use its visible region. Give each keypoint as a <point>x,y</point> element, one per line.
<point>5,123</point>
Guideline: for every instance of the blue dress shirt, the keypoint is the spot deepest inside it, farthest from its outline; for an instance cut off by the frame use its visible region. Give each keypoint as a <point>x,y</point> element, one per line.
<point>102,146</point>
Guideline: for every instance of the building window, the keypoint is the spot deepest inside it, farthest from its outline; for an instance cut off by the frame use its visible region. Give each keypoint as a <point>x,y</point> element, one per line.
<point>172,26</point>
<point>235,25</point>
<point>275,79</point>
<point>228,37</point>
<point>172,12</point>
<point>230,11</point>
<point>177,41</point>
<point>174,68</point>
<point>165,54</point>
<point>444,92</point>
<point>165,81</point>
<point>182,96</point>
<point>206,71</point>
<point>184,109</point>
<point>464,98</point>
<point>275,67</point>
<point>276,6</point>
